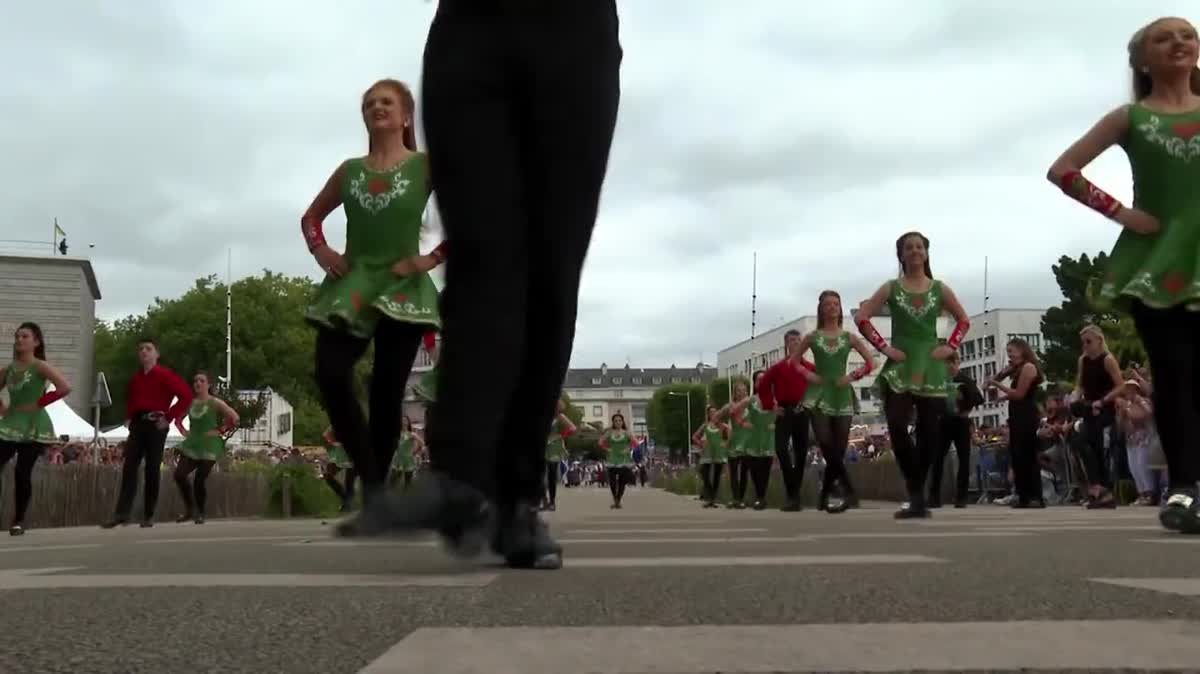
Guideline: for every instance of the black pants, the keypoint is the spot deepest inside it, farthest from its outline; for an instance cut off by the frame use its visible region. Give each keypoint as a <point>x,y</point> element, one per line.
<point>1023,448</point>
<point>1172,341</point>
<point>398,476</point>
<point>619,477</point>
<point>793,426</point>
<point>913,456</point>
<point>1097,459</point>
<point>760,475</point>
<point>344,492</point>
<point>552,479</point>
<point>520,103</point>
<point>143,447</point>
<point>370,448</point>
<point>27,454</point>
<point>833,436</point>
<point>739,476</point>
<point>195,493</point>
<point>956,431</point>
<point>710,474</point>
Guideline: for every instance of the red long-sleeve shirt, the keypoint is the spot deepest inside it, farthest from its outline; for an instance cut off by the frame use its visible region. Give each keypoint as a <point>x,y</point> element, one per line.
<point>153,391</point>
<point>782,384</point>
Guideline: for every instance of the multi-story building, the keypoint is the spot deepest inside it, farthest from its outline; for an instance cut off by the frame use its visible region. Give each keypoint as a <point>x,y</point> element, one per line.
<point>602,392</point>
<point>59,293</point>
<point>983,353</point>
<point>413,408</point>
<point>274,427</point>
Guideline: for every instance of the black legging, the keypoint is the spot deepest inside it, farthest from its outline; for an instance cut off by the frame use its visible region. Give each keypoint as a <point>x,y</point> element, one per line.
<point>760,475</point>
<point>710,473</point>
<point>619,477</point>
<point>344,493</point>
<point>27,455</point>
<point>1172,341</point>
<point>1023,451</point>
<point>195,493</point>
<point>956,430</point>
<point>913,458</point>
<point>739,477</point>
<point>1096,456</point>
<point>552,481</point>
<point>833,435</point>
<point>396,347</point>
<point>399,475</point>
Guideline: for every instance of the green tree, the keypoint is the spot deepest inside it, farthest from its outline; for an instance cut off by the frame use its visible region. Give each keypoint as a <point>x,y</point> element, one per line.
<point>574,412</point>
<point>1061,324</point>
<point>718,389</point>
<point>667,416</point>
<point>1123,340</point>
<point>249,408</point>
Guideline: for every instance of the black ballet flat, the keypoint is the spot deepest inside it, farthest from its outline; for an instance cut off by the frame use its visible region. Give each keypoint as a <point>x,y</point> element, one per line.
<point>1181,511</point>
<point>16,530</point>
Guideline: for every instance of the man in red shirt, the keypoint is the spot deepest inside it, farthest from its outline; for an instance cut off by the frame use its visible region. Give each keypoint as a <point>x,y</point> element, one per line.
<point>782,389</point>
<point>149,412</point>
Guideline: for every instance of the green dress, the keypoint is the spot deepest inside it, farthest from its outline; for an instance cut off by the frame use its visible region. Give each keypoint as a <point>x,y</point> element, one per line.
<point>830,354</point>
<point>715,450</point>
<point>556,446</point>
<point>403,460</point>
<point>24,388</point>
<point>203,417</point>
<point>426,387</point>
<point>914,331</point>
<point>337,455</point>
<point>1160,270</point>
<point>762,435</point>
<point>383,226</point>
<point>740,433</point>
<point>620,449</point>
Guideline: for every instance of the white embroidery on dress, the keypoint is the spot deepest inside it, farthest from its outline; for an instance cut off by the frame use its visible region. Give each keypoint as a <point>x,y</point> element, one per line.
<point>1176,147</point>
<point>360,189</point>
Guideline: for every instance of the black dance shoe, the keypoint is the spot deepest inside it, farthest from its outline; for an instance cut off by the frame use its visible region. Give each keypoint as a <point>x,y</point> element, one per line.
<point>183,518</point>
<point>115,522</point>
<point>1181,511</point>
<point>438,503</point>
<point>16,530</point>
<point>524,540</point>
<point>912,511</point>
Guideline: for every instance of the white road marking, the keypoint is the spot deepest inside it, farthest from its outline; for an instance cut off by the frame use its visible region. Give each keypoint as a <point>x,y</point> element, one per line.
<point>219,539</point>
<point>767,560</point>
<point>50,578</point>
<point>690,530</point>
<point>41,548</point>
<point>1187,587</point>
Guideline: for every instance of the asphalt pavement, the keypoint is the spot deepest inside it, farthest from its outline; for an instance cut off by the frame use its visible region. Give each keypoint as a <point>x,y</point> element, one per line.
<point>658,586</point>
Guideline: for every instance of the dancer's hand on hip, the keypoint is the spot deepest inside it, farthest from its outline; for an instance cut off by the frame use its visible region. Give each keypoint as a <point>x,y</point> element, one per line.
<point>417,264</point>
<point>331,261</point>
<point>1137,220</point>
<point>895,354</point>
<point>942,352</point>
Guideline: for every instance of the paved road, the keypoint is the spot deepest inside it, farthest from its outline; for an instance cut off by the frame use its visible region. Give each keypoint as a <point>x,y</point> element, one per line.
<point>660,586</point>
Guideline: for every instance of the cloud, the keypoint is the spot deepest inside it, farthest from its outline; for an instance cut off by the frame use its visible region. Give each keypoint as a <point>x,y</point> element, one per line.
<point>810,135</point>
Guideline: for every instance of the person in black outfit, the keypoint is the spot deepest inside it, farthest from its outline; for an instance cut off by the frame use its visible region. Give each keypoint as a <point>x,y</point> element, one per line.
<point>956,429</point>
<point>1098,383</point>
<point>782,389</point>
<point>520,105</point>
<point>1023,423</point>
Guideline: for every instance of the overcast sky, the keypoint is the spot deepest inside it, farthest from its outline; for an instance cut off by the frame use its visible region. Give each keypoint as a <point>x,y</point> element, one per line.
<point>167,132</point>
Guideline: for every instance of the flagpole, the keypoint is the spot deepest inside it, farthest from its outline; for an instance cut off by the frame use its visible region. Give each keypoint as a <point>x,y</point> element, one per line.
<point>54,241</point>
<point>229,322</point>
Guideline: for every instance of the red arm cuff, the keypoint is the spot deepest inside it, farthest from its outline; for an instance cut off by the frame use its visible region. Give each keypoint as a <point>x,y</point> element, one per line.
<point>1082,190</point>
<point>50,398</point>
<point>439,253</point>
<point>430,340</point>
<point>566,432</point>
<point>960,331</point>
<point>867,330</point>
<point>863,371</point>
<point>314,235</point>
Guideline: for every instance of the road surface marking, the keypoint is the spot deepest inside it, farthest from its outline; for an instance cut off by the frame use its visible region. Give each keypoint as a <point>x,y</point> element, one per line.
<point>49,578</point>
<point>690,530</point>
<point>1170,540</point>
<point>1187,587</point>
<point>39,548</point>
<point>768,560</point>
<point>219,539</point>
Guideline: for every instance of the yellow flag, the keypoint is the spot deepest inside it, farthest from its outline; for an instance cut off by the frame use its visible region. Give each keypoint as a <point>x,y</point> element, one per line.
<point>58,230</point>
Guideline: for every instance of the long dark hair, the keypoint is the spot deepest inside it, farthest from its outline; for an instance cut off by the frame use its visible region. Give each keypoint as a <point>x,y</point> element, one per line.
<point>620,416</point>
<point>820,300</point>
<point>1028,355</point>
<point>409,135</point>
<point>39,351</point>
<point>900,251</point>
<point>1143,83</point>
<point>207,378</point>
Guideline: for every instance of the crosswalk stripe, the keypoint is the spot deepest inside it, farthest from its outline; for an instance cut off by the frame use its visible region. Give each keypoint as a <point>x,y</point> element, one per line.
<point>1188,587</point>
<point>1071,527</point>
<point>688,530</point>
<point>767,560</point>
<point>1039,645</point>
<point>41,548</point>
<point>1169,541</point>
<point>48,578</point>
<point>218,539</point>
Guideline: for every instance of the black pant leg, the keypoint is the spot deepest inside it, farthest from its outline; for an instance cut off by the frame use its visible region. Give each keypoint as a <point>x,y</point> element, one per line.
<point>182,471</point>
<point>787,469</point>
<point>396,346</point>
<point>336,355</point>
<point>156,440</point>
<point>798,429</point>
<point>960,435</point>
<point>131,459</point>
<point>200,484</point>
<point>1171,338</point>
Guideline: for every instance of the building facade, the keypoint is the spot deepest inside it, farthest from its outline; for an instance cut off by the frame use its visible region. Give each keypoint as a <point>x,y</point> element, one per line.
<point>59,293</point>
<point>274,427</point>
<point>983,353</point>
<point>413,408</point>
<point>602,392</point>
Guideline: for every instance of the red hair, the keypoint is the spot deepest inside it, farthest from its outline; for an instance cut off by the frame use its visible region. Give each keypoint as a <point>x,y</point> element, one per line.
<point>409,135</point>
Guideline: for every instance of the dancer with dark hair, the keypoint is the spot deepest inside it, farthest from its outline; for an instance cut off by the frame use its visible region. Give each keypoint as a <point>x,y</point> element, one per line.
<point>25,425</point>
<point>1152,271</point>
<point>149,414</point>
<point>210,420</point>
<point>556,450</point>
<point>336,461</point>
<point>962,396</point>
<point>1023,422</point>
<point>830,398</point>
<point>617,444</point>
<point>380,289</point>
<point>915,373</point>
<point>741,432</point>
<point>713,439</point>
<point>782,390</point>
<point>408,448</point>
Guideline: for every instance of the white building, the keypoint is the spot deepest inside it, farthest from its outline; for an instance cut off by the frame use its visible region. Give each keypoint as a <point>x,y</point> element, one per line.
<point>983,353</point>
<point>274,427</point>
<point>602,392</point>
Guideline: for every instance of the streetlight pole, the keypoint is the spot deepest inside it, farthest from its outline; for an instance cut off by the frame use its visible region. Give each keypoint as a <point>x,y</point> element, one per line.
<point>688,396</point>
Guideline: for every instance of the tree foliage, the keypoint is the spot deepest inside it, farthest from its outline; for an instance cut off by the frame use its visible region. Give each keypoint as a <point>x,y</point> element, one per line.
<point>574,412</point>
<point>667,416</point>
<point>272,345</point>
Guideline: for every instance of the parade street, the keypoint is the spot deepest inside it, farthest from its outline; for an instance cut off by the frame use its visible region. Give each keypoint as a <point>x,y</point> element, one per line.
<point>659,586</point>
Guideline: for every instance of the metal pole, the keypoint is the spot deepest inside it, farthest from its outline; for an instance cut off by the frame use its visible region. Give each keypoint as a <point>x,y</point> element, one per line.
<point>95,434</point>
<point>229,323</point>
<point>689,426</point>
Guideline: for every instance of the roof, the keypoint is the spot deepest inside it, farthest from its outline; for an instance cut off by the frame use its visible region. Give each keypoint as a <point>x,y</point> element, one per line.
<point>82,262</point>
<point>585,376</point>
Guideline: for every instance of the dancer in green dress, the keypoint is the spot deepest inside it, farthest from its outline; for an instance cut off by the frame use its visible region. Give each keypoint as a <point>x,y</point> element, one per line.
<point>1153,271</point>
<point>556,452</point>
<point>713,438</point>
<point>830,397</point>
<point>617,443</point>
<point>915,372</point>
<point>25,426</point>
<point>408,450</point>
<point>380,289</point>
<point>210,422</point>
<point>741,432</point>
<point>336,461</point>
<point>760,443</point>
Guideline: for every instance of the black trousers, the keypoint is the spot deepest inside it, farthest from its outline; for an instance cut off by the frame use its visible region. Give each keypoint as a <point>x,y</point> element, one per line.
<point>520,104</point>
<point>143,447</point>
<point>792,426</point>
<point>739,476</point>
<point>1023,451</point>
<point>956,431</point>
<point>370,447</point>
<point>1097,459</point>
<point>1172,341</point>
<point>194,493</point>
<point>27,454</point>
<point>552,480</point>
<point>833,436</point>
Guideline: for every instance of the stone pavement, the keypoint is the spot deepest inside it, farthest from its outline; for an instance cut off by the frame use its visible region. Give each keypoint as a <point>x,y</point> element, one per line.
<point>659,586</point>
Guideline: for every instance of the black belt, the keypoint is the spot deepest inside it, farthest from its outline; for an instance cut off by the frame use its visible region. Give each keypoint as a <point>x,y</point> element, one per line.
<point>791,407</point>
<point>148,416</point>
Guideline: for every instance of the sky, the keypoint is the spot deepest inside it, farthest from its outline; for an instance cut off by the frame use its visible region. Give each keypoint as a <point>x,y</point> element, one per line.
<point>163,135</point>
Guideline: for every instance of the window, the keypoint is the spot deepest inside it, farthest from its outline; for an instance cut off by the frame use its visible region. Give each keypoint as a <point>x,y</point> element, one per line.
<point>695,380</point>
<point>989,370</point>
<point>638,411</point>
<point>864,393</point>
<point>989,345</point>
<point>676,380</point>
<point>969,350</point>
<point>597,411</point>
<point>637,381</point>
<point>1033,339</point>
<point>596,381</point>
<point>656,380</point>
<point>749,364</point>
<point>285,424</point>
<point>617,381</point>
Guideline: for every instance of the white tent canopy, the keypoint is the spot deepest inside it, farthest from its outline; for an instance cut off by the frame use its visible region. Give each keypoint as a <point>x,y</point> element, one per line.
<point>174,437</point>
<point>68,423</point>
